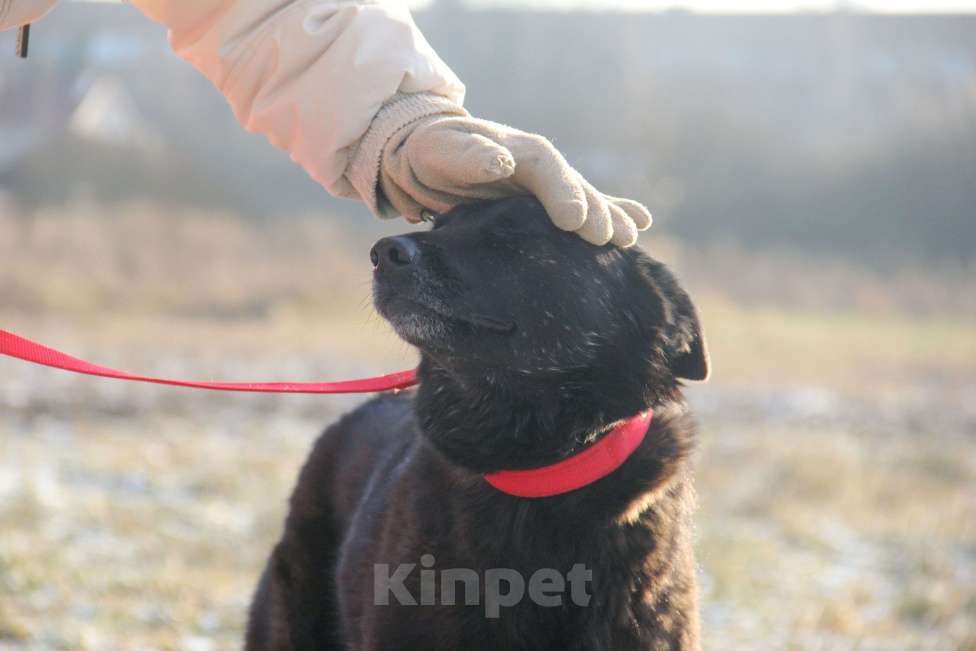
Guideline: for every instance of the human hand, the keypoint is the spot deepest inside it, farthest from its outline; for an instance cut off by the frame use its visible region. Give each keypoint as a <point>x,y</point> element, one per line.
<point>440,161</point>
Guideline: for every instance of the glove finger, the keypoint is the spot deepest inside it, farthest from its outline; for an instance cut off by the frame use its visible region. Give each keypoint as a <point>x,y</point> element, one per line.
<point>402,201</point>
<point>637,212</point>
<point>451,160</point>
<point>542,170</point>
<point>598,227</point>
<point>624,229</point>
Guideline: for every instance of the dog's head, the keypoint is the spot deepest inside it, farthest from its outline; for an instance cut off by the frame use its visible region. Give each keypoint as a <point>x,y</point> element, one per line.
<point>502,303</point>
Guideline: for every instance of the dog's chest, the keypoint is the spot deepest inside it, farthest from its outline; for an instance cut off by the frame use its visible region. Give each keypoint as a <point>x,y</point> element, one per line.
<point>495,577</point>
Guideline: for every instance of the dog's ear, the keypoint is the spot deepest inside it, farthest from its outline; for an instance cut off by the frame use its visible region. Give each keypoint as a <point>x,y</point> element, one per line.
<point>678,320</point>
<point>690,358</point>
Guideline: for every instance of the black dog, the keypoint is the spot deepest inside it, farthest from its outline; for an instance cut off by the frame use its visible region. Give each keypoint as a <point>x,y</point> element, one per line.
<point>534,345</point>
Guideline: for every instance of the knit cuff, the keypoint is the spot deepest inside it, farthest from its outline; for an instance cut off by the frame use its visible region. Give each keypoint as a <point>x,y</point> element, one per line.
<point>403,109</point>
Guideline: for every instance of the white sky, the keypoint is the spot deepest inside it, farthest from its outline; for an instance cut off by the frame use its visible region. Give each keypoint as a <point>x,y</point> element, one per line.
<point>732,6</point>
<point>745,6</point>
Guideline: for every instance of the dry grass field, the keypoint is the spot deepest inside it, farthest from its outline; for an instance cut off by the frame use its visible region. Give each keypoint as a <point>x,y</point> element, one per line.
<point>836,471</point>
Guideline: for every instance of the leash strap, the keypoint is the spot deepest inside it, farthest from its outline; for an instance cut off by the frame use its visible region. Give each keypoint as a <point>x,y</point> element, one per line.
<point>35,353</point>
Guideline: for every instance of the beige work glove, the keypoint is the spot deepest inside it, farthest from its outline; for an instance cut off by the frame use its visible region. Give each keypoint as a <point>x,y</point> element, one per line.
<point>438,161</point>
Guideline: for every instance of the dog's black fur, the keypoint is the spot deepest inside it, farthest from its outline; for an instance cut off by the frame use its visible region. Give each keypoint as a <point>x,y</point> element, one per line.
<point>533,344</point>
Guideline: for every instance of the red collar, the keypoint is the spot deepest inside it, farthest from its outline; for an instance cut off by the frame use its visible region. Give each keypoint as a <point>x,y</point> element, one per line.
<point>579,470</point>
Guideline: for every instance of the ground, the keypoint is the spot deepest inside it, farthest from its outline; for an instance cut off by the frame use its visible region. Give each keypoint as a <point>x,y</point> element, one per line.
<point>836,472</point>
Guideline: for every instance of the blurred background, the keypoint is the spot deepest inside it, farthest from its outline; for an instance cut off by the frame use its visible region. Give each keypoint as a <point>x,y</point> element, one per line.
<point>812,171</point>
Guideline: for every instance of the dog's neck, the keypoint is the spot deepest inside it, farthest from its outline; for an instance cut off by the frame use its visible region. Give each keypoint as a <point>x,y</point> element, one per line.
<point>634,523</point>
<point>489,421</point>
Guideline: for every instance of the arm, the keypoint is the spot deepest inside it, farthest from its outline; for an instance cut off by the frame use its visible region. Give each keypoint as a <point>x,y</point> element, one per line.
<point>352,90</point>
<point>312,75</point>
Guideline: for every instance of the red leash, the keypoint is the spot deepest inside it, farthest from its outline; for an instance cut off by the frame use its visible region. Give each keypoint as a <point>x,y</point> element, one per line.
<point>31,351</point>
<point>582,469</point>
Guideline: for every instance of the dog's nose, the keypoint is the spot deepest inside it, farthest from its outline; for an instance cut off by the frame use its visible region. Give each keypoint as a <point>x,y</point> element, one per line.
<point>399,251</point>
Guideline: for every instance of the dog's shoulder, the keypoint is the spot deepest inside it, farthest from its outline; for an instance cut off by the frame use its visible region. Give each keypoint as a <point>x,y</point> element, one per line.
<point>350,450</point>
<point>377,417</point>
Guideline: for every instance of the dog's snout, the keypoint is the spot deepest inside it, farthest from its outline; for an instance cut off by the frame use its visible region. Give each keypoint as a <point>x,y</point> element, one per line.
<point>399,251</point>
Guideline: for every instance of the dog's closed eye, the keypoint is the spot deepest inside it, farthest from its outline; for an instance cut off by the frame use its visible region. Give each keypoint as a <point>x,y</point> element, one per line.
<point>491,323</point>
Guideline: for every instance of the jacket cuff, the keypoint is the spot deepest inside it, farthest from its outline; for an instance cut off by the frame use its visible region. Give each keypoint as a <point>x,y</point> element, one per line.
<point>402,110</point>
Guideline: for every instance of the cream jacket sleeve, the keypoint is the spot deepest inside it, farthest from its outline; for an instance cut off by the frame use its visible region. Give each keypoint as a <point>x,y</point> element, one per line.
<point>350,88</point>
<point>313,76</point>
<point>14,13</point>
